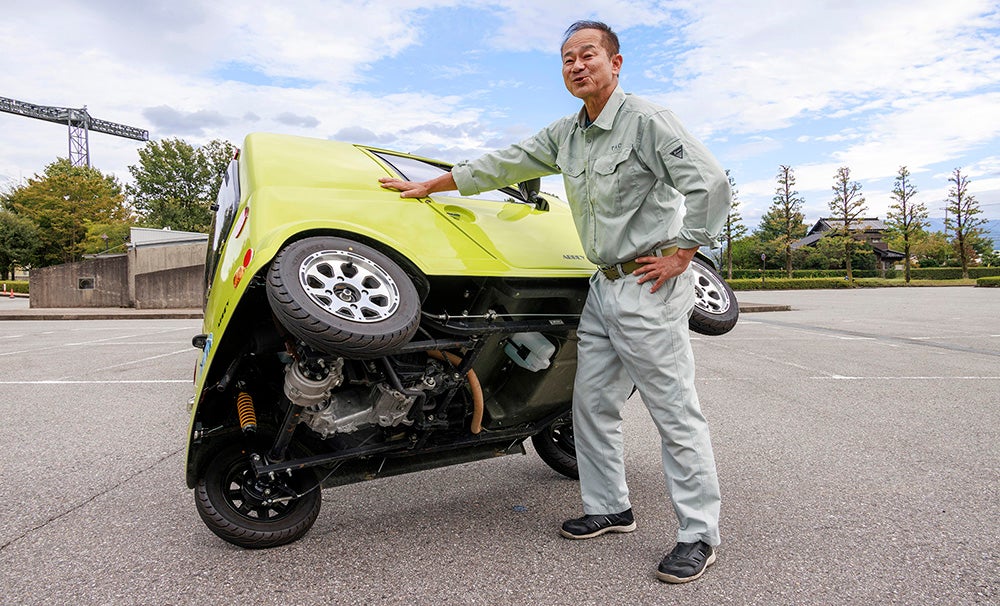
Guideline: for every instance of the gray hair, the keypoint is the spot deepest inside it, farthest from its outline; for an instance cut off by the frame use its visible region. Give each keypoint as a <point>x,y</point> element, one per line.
<point>610,37</point>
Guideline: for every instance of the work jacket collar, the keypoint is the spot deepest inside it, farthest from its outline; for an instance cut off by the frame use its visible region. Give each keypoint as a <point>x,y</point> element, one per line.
<point>606,119</point>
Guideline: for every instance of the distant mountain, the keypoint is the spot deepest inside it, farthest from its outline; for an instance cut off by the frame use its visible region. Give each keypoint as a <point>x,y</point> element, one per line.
<point>992,228</point>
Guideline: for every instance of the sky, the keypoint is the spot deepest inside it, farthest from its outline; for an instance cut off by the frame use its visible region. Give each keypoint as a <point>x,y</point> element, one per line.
<point>815,84</point>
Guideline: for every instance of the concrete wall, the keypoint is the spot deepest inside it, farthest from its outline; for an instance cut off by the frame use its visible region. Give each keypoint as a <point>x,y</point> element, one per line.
<point>167,276</point>
<point>171,288</point>
<point>100,282</point>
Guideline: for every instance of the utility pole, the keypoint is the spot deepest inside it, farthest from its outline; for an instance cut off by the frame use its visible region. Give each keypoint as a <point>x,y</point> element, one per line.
<point>79,122</point>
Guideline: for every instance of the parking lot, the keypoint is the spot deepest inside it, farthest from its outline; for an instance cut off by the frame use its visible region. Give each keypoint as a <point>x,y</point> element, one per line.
<point>856,437</point>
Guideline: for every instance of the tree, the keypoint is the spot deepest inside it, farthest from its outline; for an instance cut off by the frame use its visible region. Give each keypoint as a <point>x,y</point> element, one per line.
<point>847,206</point>
<point>176,183</point>
<point>734,229</point>
<point>906,217</point>
<point>991,259</point>
<point>783,223</point>
<point>18,243</point>
<point>931,249</point>
<point>62,203</point>
<point>106,238</point>
<point>963,219</point>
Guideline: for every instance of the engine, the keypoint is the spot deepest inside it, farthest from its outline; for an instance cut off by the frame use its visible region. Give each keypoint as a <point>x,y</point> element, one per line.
<point>372,402</point>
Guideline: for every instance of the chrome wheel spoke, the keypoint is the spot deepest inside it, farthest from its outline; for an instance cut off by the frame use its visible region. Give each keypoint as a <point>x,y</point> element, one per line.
<point>349,286</point>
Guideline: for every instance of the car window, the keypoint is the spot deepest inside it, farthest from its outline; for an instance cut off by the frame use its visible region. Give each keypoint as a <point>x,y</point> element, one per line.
<point>413,169</point>
<point>225,207</point>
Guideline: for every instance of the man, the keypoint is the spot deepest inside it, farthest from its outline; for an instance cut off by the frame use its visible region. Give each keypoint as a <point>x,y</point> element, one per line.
<point>630,169</point>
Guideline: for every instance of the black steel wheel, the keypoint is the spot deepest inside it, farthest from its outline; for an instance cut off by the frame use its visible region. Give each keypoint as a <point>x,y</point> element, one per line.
<point>715,308</point>
<point>555,446</point>
<point>343,297</point>
<point>255,512</point>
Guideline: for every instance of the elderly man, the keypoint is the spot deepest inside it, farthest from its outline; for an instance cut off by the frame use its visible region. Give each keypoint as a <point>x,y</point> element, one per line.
<point>645,195</point>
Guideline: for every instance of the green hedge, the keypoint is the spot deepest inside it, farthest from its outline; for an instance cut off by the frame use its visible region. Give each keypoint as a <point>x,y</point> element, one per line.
<point>754,274</point>
<point>916,273</point>
<point>951,273</point>
<point>16,286</point>
<point>993,281</point>
<point>789,283</point>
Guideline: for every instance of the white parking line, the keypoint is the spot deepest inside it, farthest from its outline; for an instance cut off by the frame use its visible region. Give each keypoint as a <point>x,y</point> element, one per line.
<point>916,378</point>
<point>84,343</point>
<point>130,362</point>
<point>117,382</point>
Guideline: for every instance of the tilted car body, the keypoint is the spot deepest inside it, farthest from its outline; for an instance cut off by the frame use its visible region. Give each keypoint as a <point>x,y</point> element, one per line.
<point>351,334</point>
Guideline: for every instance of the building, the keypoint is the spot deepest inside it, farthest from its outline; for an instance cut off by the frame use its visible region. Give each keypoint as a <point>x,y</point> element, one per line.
<point>869,230</point>
<point>161,269</point>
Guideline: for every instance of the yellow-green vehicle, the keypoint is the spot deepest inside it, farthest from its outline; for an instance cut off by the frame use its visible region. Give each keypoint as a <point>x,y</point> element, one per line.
<point>351,334</point>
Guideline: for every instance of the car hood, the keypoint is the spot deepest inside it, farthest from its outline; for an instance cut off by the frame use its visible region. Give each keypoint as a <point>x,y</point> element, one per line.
<point>299,184</point>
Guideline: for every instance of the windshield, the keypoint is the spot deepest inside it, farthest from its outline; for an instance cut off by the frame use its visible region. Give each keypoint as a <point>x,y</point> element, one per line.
<point>412,169</point>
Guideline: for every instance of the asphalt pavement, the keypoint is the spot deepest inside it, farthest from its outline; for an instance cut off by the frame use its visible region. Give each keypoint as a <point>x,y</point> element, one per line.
<point>856,437</point>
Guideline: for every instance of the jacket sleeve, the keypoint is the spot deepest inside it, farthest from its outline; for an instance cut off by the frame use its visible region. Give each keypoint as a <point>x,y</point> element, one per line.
<point>531,158</point>
<point>685,164</point>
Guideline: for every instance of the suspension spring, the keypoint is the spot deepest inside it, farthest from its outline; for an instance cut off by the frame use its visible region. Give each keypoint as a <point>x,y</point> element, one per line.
<point>248,417</point>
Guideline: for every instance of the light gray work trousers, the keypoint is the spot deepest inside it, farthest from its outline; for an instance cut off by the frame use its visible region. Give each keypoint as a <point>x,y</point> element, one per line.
<point>631,336</point>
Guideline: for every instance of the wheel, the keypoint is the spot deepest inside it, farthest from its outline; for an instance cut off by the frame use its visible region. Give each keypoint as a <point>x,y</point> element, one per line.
<point>234,505</point>
<point>555,446</point>
<point>715,308</point>
<point>342,297</point>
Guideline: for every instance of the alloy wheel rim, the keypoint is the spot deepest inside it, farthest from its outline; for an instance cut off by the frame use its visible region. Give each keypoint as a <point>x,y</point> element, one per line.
<point>349,286</point>
<point>710,296</point>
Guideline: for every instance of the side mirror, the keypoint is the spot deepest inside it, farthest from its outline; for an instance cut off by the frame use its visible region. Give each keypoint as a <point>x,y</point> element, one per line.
<point>529,190</point>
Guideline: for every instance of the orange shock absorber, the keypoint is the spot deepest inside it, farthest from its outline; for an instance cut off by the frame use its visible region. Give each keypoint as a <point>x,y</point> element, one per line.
<point>248,418</point>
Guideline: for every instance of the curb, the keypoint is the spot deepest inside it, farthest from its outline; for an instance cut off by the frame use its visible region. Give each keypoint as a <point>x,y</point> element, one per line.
<point>102,314</point>
<point>749,308</point>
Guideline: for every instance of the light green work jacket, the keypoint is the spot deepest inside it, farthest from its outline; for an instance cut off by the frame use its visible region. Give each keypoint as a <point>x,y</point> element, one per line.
<point>636,180</point>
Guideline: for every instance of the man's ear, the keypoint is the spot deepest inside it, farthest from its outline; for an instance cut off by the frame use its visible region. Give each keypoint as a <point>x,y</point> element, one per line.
<point>616,64</point>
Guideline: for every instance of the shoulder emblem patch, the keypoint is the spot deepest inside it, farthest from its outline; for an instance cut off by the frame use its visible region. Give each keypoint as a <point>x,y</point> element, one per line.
<point>678,153</point>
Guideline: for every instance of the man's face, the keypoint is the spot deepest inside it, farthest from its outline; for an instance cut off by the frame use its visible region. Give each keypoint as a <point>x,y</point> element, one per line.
<point>588,71</point>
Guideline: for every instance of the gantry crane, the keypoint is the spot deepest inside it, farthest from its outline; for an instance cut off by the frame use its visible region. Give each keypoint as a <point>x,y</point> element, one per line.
<point>80,123</point>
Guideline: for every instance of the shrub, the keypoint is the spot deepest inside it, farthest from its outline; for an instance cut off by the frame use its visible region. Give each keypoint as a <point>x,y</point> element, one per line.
<point>951,273</point>
<point>17,286</point>
<point>790,283</point>
<point>991,281</point>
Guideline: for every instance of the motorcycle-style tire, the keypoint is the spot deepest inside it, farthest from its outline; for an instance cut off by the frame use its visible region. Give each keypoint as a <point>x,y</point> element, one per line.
<point>715,309</point>
<point>555,446</point>
<point>233,502</point>
<point>343,297</point>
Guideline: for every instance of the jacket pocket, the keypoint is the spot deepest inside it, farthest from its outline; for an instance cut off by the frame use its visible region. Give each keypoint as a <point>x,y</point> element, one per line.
<point>613,180</point>
<point>606,165</point>
<point>570,166</point>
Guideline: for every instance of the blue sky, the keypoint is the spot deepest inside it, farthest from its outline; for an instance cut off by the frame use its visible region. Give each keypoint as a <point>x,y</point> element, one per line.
<point>816,85</point>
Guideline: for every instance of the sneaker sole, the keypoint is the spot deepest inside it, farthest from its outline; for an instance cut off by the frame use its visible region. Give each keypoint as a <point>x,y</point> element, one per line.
<point>597,533</point>
<point>669,578</point>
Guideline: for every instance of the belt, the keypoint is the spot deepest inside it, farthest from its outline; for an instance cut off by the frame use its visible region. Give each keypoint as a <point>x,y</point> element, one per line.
<point>613,272</point>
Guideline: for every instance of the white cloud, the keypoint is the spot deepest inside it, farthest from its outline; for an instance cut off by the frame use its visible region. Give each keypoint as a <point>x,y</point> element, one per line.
<point>814,84</point>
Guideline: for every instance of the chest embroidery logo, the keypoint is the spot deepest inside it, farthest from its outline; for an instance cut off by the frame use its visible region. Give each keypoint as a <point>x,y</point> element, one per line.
<point>678,153</point>
<point>617,147</point>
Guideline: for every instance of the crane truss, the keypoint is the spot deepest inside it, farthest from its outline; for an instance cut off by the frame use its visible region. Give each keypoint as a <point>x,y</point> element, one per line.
<point>79,122</point>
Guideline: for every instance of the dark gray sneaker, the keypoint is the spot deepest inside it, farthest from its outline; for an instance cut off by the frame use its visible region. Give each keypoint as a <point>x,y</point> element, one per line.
<point>686,562</point>
<point>588,527</point>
